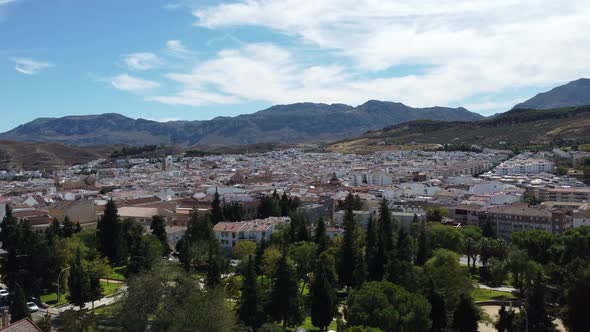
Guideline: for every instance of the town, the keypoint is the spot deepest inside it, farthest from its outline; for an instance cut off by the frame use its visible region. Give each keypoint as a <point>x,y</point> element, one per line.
<point>252,198</point>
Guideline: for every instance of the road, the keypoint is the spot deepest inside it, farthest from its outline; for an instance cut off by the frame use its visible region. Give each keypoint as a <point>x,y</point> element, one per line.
<point>105,301</point>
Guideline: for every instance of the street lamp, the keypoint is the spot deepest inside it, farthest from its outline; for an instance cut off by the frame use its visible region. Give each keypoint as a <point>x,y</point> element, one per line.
<point>58,283</point>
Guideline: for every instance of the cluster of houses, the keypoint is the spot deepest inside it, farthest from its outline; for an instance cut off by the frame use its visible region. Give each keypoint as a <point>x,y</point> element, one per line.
<point>475,188</point>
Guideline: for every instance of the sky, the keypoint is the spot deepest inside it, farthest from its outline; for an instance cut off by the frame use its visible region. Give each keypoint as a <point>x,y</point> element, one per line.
<point>195,60</point>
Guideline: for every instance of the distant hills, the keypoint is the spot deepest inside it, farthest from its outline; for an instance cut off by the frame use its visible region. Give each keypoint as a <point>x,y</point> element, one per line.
<point>40,156</point>
<point>286,124</point>
<point>572,94</point>
<point>518,128</point>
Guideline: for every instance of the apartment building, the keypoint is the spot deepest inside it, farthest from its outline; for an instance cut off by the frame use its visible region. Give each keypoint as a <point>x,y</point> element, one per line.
<point>230,233</point>
<point>563,194</point>
<point>520,217</point>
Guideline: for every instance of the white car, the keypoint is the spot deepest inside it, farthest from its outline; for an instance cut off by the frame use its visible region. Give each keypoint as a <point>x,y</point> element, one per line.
<point>3,292</point>
<point>32,307</point>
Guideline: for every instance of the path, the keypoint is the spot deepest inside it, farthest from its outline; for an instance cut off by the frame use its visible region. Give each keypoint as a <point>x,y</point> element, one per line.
<point>105,301</point>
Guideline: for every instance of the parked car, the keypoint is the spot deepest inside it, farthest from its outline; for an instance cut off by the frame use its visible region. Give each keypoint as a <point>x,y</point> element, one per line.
<point>4,292</point>
<point>38,302</point>
<point>32,307</point>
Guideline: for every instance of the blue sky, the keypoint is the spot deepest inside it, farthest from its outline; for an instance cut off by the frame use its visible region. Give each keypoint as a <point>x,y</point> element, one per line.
<point>191,60</point>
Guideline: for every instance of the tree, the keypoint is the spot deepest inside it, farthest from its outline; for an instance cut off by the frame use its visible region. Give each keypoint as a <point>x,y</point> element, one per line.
<point>372,248</point>
<point>539,319</point>
<point>158,227</point>
<point>68,228</point>
<point>216,211</point>
<point>363,329</point>
<point>213,278</point>
<point>535,242</point>
<point>18,307</point>
<point>424,250</point>
<point>244,249</point>
<point>284,302</point>
<point>78,283</point>
<point>270,261</point>
<point>445,237</point>
<point>466,315</point>
<point>385,241</point>
<point>321,237</point>
<point>389,307</point>
<point>145,254</point>
<point>438,313</point>
<point>259,257</point>
<point>448,277</point>
<point>108,231</point>
<point>488,230</point>
<point>249,308</point>
<point>505,322</point>
<point>577,319</point>
<point>303,255</point>
<point>323,299</point>
<point>347,251</point>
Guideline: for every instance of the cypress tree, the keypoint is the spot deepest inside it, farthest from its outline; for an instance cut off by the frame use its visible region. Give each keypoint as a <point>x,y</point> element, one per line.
<point>372,248</point>
<point>438,313</point>
<point>109,232</point>
<point>216,212</point>
<point>284,302</point>
<point>466,316</point>
<point>285,205</point>
<point>323,299</point>
<point>249,312</point>
<point>347,260</point>
<point>18,307</point>
<point>67,228</point>
<point>158,227</point>
<point>78,283</point>
<point>213,278</point>
<point>488,231</point>
<point>424,251</point>
<point>321,237</point>
<point>8,229</point>
<point>536,308</point>
<point>385,243</point>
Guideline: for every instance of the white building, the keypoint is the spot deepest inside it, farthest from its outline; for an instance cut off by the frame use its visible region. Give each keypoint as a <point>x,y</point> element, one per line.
<point>230,233</point>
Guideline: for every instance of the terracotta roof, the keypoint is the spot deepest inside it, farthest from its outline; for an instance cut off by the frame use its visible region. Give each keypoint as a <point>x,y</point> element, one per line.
<point>23,325</point>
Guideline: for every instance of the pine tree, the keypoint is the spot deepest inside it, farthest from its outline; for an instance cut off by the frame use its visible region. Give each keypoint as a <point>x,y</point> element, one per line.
<point>284,302</point>
<point>284,204</point>
<point>158,227</point>
<point>466,316</point>
<point>321,237</point>
<point>213,278</point>
<point>53,231</point>
<point>360,268</point>
<point>109,232</point>
<point>505,321</point>
<point>323,299</point>
<point>216,212</point>
<point>18,307</point>
<point>488,231</point>
<point>78,283</point>
<point>347,261</point>
<point>8,229</point>
<point>249,312</point>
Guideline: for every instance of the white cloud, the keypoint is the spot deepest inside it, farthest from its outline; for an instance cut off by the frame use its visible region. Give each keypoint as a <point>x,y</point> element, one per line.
<point>177,48</point>
<point>142,61</point>
<point>468,47</point>
<point>129,83</point>
<point>29,66</point>
<point>5,2</point>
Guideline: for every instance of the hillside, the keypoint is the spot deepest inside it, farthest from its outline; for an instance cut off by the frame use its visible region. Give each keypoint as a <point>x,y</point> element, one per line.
<point>287,124</point>
<point>40,156</point>
<point>572,94</point>
<point>514,129</point>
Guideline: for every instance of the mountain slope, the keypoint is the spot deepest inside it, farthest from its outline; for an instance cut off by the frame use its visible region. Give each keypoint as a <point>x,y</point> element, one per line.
<point>295,123</point>
<point>517,128</point>
<point>572,94</point>
<point>40,156</point>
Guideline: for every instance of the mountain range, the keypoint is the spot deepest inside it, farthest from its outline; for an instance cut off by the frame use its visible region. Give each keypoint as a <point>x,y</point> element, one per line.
<point>572,94</point>
<point>288,124</point>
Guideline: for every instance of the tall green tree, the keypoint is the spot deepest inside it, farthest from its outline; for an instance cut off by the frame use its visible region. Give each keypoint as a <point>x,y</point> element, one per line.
<point>109,233</point>
<point>78,283</point>
<point>18,307</point>
<point>323,299</point>
<point>386,241</point>
<point>424,249</point>
<point>505,322</point>
<point>284,303</point>
<point>347,261</point>
<point>213,278</point>
<point>372,249</point>
<point>249,308</point>
<point>539,319</point>
<point>158,227</point>
<point>321,237</point>
<point>577,319</point>
<point>466,316</point>
<point>68,227</point>
<point>216,211</point>
<point>438,314</point>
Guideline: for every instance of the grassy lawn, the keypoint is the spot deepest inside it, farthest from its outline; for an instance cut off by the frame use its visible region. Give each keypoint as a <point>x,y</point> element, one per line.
<point>118,273</point>
<point>51,299</point>
<point>310,328</point>
<point>105,310</point>
<point>480,294</point>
